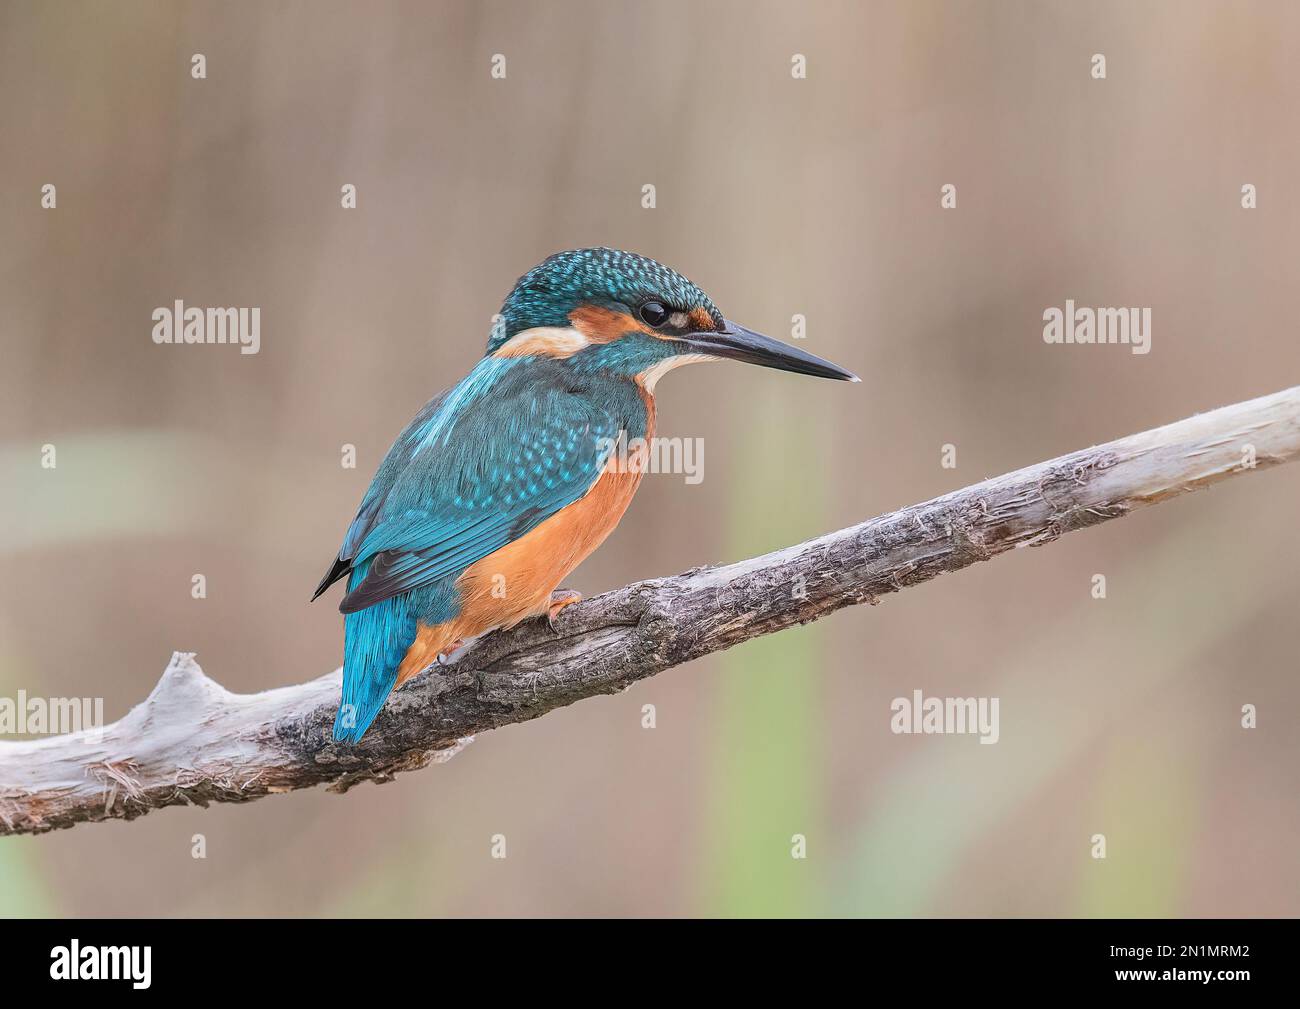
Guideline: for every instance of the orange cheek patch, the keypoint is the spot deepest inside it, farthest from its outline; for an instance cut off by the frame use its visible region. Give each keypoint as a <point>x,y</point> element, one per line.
<point>604,325</point>
<point>701,320</point>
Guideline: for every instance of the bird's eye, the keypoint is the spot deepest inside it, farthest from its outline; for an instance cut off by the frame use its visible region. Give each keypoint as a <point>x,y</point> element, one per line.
<point>654,314</point>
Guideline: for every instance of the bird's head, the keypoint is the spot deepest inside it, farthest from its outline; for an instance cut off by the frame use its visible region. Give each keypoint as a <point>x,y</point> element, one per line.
<point>617,312</point>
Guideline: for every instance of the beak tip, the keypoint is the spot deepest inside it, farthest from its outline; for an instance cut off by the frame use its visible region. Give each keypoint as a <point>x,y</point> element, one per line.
<point>737,342</point>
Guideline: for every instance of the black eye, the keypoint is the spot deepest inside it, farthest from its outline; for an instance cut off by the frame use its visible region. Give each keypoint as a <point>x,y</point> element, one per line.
<point>654,314</point>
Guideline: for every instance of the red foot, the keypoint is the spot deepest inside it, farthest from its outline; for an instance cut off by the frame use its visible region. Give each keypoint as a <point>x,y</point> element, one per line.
<point>561,598</point>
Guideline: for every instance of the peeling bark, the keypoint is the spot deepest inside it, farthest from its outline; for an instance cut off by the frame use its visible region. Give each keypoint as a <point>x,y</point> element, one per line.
<point>193,742</point>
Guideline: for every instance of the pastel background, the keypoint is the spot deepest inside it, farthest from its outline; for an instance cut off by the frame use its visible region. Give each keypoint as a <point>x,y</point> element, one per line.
<point>779,196</point>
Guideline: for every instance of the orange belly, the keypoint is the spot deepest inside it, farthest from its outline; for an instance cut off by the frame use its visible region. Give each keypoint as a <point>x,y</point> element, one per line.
<point>516,581</point>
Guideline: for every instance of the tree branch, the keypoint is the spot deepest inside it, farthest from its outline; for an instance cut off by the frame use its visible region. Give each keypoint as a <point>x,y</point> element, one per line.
<point>193,742</point>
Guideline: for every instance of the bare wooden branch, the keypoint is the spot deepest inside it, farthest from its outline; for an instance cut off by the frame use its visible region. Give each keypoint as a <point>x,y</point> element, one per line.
<point>191,741</point>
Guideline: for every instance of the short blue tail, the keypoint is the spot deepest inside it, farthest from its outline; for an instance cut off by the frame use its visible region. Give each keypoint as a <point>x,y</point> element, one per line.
<point>375,642</point>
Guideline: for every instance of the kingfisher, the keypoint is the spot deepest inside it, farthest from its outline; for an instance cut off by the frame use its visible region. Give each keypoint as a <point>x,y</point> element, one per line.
<point>503,484</point>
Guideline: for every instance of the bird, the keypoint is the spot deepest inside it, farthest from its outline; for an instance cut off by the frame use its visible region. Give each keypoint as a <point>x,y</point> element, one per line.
<point>501,485</point>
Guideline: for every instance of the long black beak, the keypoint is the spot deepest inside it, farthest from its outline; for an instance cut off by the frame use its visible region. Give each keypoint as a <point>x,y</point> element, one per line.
<point>743,344</point>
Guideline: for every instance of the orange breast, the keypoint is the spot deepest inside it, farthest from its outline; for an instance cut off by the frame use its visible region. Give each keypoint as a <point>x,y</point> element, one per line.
<point>516,581</point>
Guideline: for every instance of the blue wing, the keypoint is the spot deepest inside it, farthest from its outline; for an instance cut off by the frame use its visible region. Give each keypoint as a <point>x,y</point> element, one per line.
<point>496,456</point>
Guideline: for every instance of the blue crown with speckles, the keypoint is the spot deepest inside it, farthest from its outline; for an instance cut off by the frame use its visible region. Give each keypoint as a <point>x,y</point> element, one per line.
<point>546,294</point>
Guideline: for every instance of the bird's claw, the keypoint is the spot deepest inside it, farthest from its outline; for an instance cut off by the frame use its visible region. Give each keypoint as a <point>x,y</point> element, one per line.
<point>444,656</point>
<point>560,598</point>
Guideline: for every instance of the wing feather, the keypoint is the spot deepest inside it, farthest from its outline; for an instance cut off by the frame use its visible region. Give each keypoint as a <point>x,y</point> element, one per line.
<point>498,469</point>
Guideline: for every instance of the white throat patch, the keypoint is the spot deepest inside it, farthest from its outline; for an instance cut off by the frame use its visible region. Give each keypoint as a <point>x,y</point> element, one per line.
<point>652,375</point>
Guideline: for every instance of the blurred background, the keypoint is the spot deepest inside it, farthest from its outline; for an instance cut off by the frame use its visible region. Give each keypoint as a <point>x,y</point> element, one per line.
<point>779,196</point>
